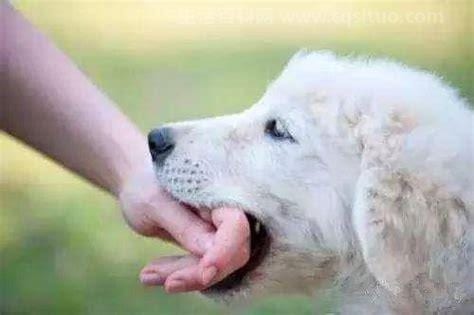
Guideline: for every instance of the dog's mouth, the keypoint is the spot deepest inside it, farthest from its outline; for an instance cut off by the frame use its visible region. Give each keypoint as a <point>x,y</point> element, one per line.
<point>259,248</point>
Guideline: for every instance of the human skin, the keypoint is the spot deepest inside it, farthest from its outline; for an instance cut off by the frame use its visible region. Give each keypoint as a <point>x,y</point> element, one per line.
<point>49,104</point>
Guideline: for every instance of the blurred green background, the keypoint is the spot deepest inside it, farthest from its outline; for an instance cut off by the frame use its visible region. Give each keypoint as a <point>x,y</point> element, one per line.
<point>63,244</point>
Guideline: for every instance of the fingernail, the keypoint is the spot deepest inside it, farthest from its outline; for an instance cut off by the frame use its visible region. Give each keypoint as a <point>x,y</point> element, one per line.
<point>208,274</point>
<point>175,286</point>
<point>151,279</point>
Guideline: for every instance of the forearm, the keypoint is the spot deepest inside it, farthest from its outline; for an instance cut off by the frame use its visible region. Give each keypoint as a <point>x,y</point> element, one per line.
<point>49,104</point>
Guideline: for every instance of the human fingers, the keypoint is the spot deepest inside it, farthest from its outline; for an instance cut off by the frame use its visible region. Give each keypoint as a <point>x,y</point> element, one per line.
<point>231,247</point>
<point>158,270</point>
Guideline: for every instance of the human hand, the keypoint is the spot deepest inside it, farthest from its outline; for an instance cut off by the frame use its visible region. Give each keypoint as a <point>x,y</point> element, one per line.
<point>218,241</point>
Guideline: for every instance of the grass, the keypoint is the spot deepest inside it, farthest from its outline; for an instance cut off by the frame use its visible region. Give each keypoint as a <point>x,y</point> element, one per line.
<point>63,244</point>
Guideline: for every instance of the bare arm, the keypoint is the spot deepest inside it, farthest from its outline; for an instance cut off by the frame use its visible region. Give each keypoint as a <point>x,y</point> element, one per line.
<point>50,105</point>
<point>55,101</point>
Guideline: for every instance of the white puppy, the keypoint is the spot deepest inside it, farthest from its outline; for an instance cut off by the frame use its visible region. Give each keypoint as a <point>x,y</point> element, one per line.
<point>354,172</point>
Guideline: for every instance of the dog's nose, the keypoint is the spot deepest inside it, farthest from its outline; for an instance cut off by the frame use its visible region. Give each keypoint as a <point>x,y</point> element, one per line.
<point>160,143</point>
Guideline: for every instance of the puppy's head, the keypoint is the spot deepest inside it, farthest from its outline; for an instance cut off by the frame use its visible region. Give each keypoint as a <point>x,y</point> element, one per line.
<point>273,162</point>
<point>301,164</point>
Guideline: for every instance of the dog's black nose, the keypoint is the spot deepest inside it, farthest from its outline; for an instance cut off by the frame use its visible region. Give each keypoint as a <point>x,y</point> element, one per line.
<point>160,143</point>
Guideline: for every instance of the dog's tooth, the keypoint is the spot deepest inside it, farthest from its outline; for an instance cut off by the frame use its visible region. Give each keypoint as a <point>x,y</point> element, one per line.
<point>257,227</point>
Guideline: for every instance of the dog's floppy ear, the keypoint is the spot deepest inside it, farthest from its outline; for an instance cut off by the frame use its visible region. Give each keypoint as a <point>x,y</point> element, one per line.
<point>402,214</point>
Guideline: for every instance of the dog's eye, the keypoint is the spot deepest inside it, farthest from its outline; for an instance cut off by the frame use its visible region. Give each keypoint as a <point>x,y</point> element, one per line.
<point>276,130</point>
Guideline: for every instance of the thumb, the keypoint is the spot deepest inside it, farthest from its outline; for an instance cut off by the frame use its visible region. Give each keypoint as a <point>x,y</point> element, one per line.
<point>188,229</point>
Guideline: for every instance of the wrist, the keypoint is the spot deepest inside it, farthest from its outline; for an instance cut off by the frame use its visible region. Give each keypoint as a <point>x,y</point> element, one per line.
<point>139,195</point>
<point>136,160</point>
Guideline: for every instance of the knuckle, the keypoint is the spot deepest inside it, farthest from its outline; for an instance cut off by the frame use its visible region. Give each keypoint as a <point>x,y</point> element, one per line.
<point>221,262</point>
